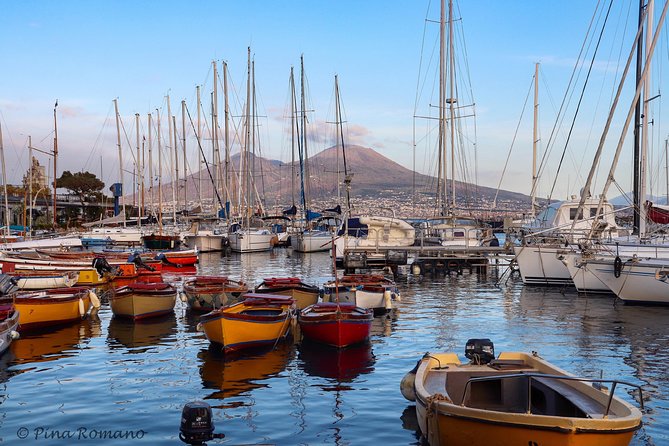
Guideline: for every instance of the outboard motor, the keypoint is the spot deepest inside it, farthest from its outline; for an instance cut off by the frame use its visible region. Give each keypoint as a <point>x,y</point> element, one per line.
<point>102,266</point>
<point>136,258</point>
<point>196,424</point>
<point>480,351</point>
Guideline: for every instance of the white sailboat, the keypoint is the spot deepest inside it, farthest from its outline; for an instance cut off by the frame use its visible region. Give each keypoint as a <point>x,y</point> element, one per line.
<point>250,234</point>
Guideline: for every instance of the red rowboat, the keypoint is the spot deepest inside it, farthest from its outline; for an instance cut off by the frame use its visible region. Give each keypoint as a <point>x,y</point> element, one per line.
<point>657,213</point>
<point>336,324</point>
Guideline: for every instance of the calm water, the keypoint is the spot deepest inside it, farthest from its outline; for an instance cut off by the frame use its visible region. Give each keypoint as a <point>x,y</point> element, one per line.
<point>105,374</point>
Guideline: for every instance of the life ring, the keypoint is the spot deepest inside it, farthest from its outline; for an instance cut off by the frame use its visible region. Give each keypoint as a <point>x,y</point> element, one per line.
<point>617,267</point>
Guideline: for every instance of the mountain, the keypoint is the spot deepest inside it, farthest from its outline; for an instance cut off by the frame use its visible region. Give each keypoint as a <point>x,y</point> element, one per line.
<point>373,177</point>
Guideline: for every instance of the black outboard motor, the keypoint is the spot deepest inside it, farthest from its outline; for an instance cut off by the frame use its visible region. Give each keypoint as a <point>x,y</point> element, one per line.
<point>480,351</point>
<point>196,424</point>
<point>136,258</point>
<point>102,266</point>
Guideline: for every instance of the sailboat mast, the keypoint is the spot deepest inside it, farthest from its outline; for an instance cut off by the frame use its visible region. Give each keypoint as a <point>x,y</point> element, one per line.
<point>120,158</point>
<point>451,99</point>
<point>305,184</point>
<point>4,184</point>
<point>214,137</point>
<point>226,127</point>
<point>183,143</point>
<point>199,152</point>
<point>30,186</point>
<point>644,130</point>
<point>637,128</point>
<point>293,123</point>
<point>534,141</point>
<point>175,181</point>
<point>442,111</point>
<point>138,167</point>
<point>150,132</point>
<point>340,124</point>
<point>55,162</point>
<point>247,142</point>
<point>160,175</point>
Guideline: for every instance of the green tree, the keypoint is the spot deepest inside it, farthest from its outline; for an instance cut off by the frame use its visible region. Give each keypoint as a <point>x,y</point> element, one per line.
<point>85,185</point>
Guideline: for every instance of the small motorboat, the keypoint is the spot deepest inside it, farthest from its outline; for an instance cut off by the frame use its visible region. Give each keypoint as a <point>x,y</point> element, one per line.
<point>9,322</point>
<point>372,291</point>
<point>337,324</point>
<point>54,307</point>
<point>178,259</point>
<point>516,399</point>
<point>303,293</point>
<point>143,300</point>
<point>207,293</point>
<point>260,319</point>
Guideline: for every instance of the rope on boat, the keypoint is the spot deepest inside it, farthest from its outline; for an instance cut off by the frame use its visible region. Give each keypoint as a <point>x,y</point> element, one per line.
<point>431,411</point>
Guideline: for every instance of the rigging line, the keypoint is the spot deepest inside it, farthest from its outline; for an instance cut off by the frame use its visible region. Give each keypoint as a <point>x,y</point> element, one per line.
<point>580,100</point>
<point>508,156</point>
<point>204,157</point>
<point>559,117</point>
<point>97,139</point>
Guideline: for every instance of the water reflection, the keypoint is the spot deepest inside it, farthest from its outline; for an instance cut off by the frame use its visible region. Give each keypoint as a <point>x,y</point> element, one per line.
<point>340,364</point>
<point>236,374</point>
<point>140,337</point>
<point>53,344</point>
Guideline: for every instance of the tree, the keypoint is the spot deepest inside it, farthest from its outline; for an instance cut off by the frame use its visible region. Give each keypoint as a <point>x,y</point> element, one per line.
<point>84,185</point>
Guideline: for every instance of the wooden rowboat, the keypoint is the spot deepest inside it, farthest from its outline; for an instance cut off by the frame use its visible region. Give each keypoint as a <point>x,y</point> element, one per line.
<point>260,319</point>
<point>336,324</point>
<point>372,291</point>
<point>53,307</point>
<point>143,300</point>
<point>207,293</point>
<point>516,399</point>
<point>303,293</point>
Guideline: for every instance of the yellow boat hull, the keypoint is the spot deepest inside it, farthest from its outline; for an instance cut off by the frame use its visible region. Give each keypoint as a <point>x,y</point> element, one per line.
<point>138,306</point>
<point>445,419</point>
<point>41,311</point>
<point>302,298</point>
<point>91,277</point>
<point>241,326</point>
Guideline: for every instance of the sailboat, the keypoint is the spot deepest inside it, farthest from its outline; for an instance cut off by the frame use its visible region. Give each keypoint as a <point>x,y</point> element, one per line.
<point>250,234</point>
<point>315,237</point>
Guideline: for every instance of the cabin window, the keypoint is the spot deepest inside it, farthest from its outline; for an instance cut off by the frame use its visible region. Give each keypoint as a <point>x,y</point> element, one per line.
<point>459,234</point>
<point>593,212</point>
<point>572,214</point>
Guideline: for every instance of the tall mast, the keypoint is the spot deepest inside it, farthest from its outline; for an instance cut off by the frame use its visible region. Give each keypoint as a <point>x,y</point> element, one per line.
<point>55,161</point>
<point>199,141</point>
<point>175,182</point>
<point>637,128</point>
<point>139,173</point>
<point>214,135</point>
<point>442,110</point>
<point>169,151</point>
<point>347,177</point>
<point>245,169</point>
<point>120,158</point>
<point>535,140</point>
<point>4,184</point>
<point>452,99</point>
<point>160,175</point>
<point>305,154</point>
<point>226,186</point>
<point>644,130</point>
<point>293,123</point>
<point>183,143</point>
<point>30,186</point>
<point>150,162</point>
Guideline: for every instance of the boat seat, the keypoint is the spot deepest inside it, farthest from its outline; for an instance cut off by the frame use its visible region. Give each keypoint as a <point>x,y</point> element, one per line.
<point>588,405</point>
<point>507,364</point>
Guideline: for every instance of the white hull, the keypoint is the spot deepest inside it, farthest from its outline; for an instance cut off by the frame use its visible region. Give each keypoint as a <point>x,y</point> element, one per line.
<point>117,235</point>
<point>8,334</point>
<point>640,280</point>
<point>67,279</point>
<point>250,240</point>
<point>58,242</point>
<point>316,241</point>
<point>540,265</point>
<point>372,300</point>
<point>204,242</point>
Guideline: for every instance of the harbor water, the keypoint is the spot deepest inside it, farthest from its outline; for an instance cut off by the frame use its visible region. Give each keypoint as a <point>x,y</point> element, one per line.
<point>109,381</point>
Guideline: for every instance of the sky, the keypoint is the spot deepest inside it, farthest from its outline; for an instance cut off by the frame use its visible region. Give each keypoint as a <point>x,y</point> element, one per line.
<point>86,54</point>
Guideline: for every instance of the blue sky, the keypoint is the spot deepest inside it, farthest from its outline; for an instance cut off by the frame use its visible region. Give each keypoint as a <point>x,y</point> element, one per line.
<point>86,53</point>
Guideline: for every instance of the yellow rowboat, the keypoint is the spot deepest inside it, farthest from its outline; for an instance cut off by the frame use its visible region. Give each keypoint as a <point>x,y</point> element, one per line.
<point>54,307</point>
<point>303,293</point>
<point>90,276</point>
<point>143,300</point>
<point>260,319</point>
<point>516,399</point>
<point>39,280</point>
